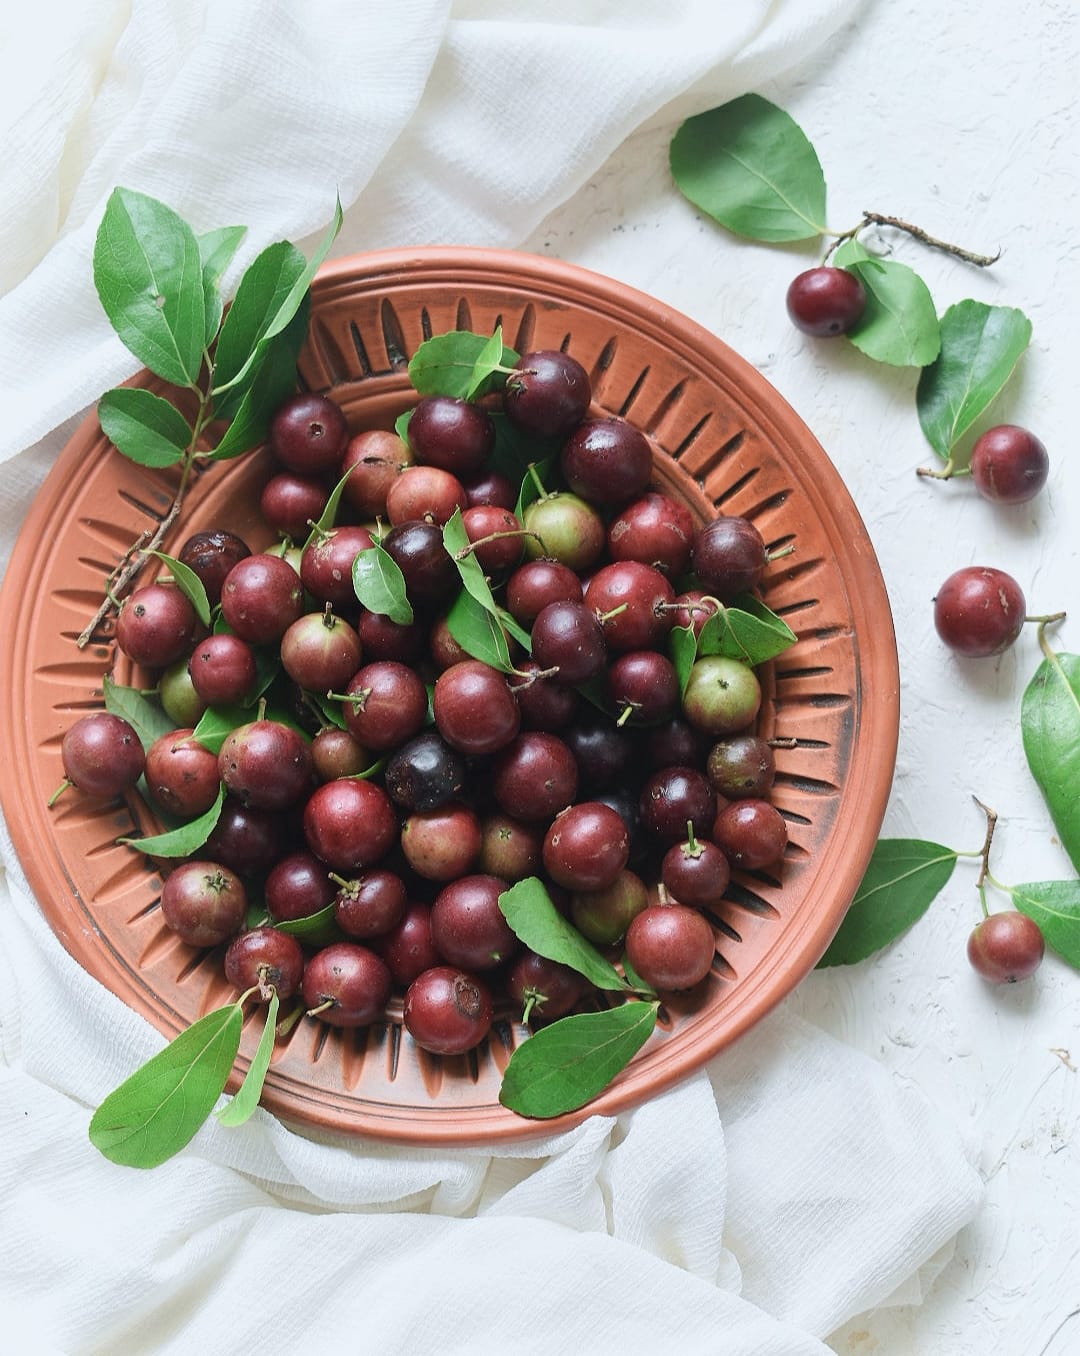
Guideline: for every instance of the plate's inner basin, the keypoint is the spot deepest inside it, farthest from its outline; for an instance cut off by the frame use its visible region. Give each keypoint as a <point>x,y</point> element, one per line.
<point>723,439</point>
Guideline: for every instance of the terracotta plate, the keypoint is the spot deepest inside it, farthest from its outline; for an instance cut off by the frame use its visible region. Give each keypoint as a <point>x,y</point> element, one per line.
<point>724,437</point>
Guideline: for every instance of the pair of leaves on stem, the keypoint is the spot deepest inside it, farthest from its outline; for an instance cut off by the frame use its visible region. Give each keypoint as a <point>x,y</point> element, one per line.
<point>749,166</point>
<point>906,875</point>
<point>160,286</point>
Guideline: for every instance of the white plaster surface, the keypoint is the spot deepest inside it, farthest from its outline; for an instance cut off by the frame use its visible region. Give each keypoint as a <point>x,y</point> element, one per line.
<point>966,119</point>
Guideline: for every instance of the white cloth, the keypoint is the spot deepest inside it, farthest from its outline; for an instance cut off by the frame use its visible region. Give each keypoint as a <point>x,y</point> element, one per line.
<point>750,1210</point>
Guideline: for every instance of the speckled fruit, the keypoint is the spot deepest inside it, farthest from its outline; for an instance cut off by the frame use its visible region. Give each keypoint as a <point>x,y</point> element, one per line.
<point>979,611</point>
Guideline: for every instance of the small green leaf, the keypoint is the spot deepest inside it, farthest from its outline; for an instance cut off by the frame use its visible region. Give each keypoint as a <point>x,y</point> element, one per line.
<point>217,250</point>
<point>749,632</point>
<point>148,275</point>
<point>317,929</point>
<point>749,165</point>
<point>146,428</point>
<point>568,1063</point>
<point>159,1109</point>
<point>328,518</point>
<point>980,346</point>
<point>535,481</point>
<point>1055,906</point>
<point>479,632</point>
<point>270,305</point>
<point>446,364</point>
<point>217,722</point>
<point>899,324</point>
<point>401,426</point>
<point>682,647</point>
<point>903,879</point>
<point>189,584</point>
<point>456,541</point>
<point>634,979</point>
<point>1050,724</point>
<point>488,372</point>
<point>533,918</point>
<point>142,713</point>
<point>240,1108</point>
<point>380,585</point>
<point>268,384</point>
<point>186,839</point>
<point>512,628</point>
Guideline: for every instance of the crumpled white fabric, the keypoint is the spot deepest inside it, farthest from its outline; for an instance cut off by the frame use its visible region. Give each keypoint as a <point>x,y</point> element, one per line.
<point>750,1210</point>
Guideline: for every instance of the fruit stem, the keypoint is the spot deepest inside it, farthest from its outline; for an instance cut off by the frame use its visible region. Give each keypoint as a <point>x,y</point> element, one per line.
<point>535,478</point>
<point>984,851</point>
<point>603,617</point>
<point>625,715</point>
<point>328,618</point>
<point>495,536</point>
<point>1044,644</point>
<point>787,550</point>
<point>58,793</point>
<point>287,1023</point>
<point>947,472</point>
<point>323,1007</point>
<point>917,232</point>
<point>531,996</point>
<point>787,742</point>
<point>691,848</point>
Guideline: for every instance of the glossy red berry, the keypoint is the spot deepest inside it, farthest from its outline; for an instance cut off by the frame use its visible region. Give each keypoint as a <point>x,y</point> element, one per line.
<point>825,301</point>
<point>1006,947</point>
<point>979,611</point>
<point>1009,465</point>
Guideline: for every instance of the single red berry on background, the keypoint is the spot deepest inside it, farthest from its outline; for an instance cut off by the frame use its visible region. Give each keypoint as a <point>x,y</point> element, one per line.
<point>979,611</point>
<point>267,958</point>
<point>265,763</point>
<point>289,502</point>
<point>548,394</point>
<point>586,847</point>
<point>424,492</point>
<point>182,774</point>
<point>261,598</point>
<point>447,1011</point>
<point>825,301</point>
<point>388,705</point>
<point>308,434</point>
<point>752,833</point>
<point>212,555</point>
<point>155,625</point>
<point>326,564</point>
<point>297,887</point>
<point>696,873</point>
<point>102,755</point>
<point>204,903</point>
<point>1009,464</point>
<point>407,948</point>
<point>607,461</point>
<point>670,946</point>
<point>442,844</point>
<point>1006,947</point>
<point>467,925</point>
<point>348,982</point>
<point>349,823</point>
<point>539,582</point>
<point>222,669</point>
<point>374,459</point>
<point>451,435</point>
<point>474,709</point>
<point>543,987</point>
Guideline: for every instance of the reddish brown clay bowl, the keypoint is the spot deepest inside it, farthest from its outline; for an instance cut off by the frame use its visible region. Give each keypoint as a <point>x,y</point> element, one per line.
<point>725,438</point>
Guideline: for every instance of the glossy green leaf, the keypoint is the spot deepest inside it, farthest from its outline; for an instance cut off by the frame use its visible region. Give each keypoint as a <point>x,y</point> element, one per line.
<point>682,648</point>
<point>189,584</point>
<point>272,300</point>
<point>533,918</point>
<point>241,1107</point>
<point>1055,906</point>
<point>269,384</point>
<point>456,542</point>
<point>142,713</point>
<point>568,1063</point>
<point>749,632</point>
<point>317,929</point>
<point>980,347</point>
<point>479,632</point>
<point>634,979</point>
<point>380,585</point>
<point>217,722</point>
<point>182,841</point>
<point>217,250</point>
<point>401,425</point>
<point>750,166</point>
<point>146,428</point>
<point>903,879</point>
<point>148,275</point>
<point>535,480</point>
<point>327,520</point>
<point>514,630</point>
<point>159,1109</point>
<point>447,364</point>
<point>1050,724</point>
<point>899,324</point>
<point>488,372</point>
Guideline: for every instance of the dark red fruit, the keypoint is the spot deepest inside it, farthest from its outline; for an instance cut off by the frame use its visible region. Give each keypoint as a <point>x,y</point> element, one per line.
<point>350,824</point>
<point>979,611</point>
<point>1006,947</point>
<point>203,902</point>
<point>475,711</point>
<point>327,563</point>
<point>535,777</point>
<point>451,434</point>
<point>372,905</point>
<point>446,1011</point>
<point>265,959</point>
<point>424,773</point>
<point>604,752</point>
<point>424,492</point>
<point>695,873</point>
<point>586,847</point>
<point>491,488</point>
<point>671,797</point>
<point>825,301</point>
<point>498,534</point>
<point>265,764</point>
<point>544,702</point>
<point>548,394</point>
<point>607,461</point>
<point>182,774</point>
<point>388,704</point>
<point>375,459</point>
<point>539,582</point>
<point>741,766</point>
<point>222,669</point>
<point>308,434</point>
<point>441,844</point>
<point>418,551</point>
<point>297,887</point>
<point>212,555</point>
<point>729,557</point>
<point>102,755</point>
<point>1009,465</point>
<point>655,530</point>
<point>542,989</point>
<point>346,985</point>
<point>569,637</point>
<point>290,503</point>
<point>634,601</point>
<point>643,686</point>
<point>467,925</point>
<point>671,947</point>
<point>155,625</point>
<point>407,948</point>
<point>261,598</point>
<point>320,652</point>
<point>381,638</point>
<point>245,839</point>
<point>752,833</point>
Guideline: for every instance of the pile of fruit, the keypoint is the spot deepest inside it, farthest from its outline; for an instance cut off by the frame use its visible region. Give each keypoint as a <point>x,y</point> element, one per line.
<point>458,683</point>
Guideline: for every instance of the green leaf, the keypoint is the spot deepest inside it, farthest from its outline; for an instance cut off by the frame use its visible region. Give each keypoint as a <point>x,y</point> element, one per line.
<point>515,451</point>
<point>634,979</point>
<point>146,428</point>
<point>240,1108</point>
<point>270,305</point>
<point>536,475</point>
<point>269,383</point>
<point>1050,724</point>
<point>899,324</point>
<point>217,250</point>
<point>401,426</point>
<point>216,723</point>
<point>189,584</point>
<point>980,346</point>
<point>456,540</point>
<point>533,918</point>
<point>903,879</point>
<point>488,372</point>
<point>1055,906</point>
<point>749,165</point>
<point>317,929</point>
<point>566,1064</point>
<point>159,1109</point>
<point>186,839</point>
<point>380,585</point>
<point>479,632</point>
<point>447,364</point>
<point>513,629</point>
<point>749,632</point>
<point>682,647</point>
<point>142,713</point>
<point>328,518</point>
<point>148,275</point>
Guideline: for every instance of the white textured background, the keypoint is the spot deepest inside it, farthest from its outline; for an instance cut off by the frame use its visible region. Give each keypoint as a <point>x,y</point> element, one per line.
<point>964,118</point>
